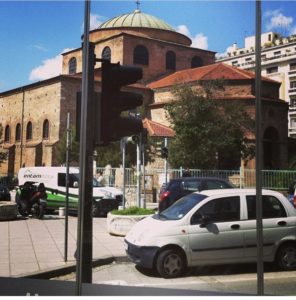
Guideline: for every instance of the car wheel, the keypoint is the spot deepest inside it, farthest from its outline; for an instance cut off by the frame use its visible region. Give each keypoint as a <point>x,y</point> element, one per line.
<point>170,263</point>
<point>286,257</point>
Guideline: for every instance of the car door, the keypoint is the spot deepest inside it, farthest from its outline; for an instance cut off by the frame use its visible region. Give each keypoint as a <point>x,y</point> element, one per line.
<point>220,240</point>
<point>275,225</point>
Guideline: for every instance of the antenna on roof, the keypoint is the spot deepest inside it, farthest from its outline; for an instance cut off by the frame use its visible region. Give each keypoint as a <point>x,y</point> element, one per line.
<point>138,4</point>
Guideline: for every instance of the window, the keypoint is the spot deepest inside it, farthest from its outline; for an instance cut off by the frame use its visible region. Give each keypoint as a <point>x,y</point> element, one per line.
<point>170,60</point>
<point>7,134</point>
<point>293,66</point>
<point>72,65</point>
<point>141,55</point>
<point>196,62</point>
<point>219,210</point>
<point>45,129</point>
<point>293,85</point>
<point>234,63</point>
<point>277,53</point>
<point>29,133</point>
<point>248,59</point>
<point>18,132</point>
<point>271,206</point>
<point>106,53</point>
<point>62,179</point>
<point>272,70</point>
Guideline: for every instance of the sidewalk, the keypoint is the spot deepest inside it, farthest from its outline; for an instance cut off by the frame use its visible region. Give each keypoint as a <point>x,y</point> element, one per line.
<point>30,246</point>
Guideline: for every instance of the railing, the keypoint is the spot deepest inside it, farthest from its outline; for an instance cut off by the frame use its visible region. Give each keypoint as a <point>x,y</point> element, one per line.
<point>279,180</point>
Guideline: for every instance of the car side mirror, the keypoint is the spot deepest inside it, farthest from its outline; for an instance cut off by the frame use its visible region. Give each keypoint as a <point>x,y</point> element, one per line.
<point>204,220</point>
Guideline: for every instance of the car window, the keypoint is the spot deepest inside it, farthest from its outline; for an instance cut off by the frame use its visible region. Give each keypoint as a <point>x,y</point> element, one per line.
<point>180,208</point>
<point>271,207</point>
<point>219,210</point>
<point>191,185</point>
<point>216,184</point>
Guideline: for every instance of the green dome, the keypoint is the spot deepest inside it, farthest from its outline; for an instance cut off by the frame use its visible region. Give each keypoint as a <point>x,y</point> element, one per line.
<point>136,19</point>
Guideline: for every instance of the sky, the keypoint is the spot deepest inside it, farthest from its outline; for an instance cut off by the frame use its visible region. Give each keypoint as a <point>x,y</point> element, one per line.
<point>33,34</point>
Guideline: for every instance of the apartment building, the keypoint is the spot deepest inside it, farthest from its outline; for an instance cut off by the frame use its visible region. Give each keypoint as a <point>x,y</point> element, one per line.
<point>278,62</point>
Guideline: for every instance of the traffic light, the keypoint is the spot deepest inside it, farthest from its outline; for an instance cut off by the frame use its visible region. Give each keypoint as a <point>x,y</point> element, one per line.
<point>112,126</point>
<point>164,152</point>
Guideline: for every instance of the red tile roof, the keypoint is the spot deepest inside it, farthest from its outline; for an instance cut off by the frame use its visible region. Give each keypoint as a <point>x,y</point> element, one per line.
<point>157,129</point>
<point>210,72</point>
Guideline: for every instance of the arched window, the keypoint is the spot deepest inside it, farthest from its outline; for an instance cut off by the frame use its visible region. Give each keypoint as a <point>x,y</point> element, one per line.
<point>106,53</point>
<point>45,129</point>
<point>72,65</point>
<point>196,62</point>
<point>29,133</point>
<point>7,134</point>
<point>18,132</point>
<point>170,60</point>
<point>141,55</point>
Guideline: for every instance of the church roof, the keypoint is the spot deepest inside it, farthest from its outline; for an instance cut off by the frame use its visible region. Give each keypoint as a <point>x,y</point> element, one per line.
<point>136,19</point>
<point>157,130</point>
<point>209,72</point>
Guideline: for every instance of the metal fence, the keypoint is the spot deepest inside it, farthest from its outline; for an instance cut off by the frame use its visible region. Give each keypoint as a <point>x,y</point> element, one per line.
<point>279,180</point>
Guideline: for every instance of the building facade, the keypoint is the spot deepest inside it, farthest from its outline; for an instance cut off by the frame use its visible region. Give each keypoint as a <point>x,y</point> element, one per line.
<point>34,116</point>
<point>278,62</point>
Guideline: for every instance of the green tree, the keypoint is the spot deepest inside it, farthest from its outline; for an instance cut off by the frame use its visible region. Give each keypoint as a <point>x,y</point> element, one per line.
<point>3,154</point>
<point>209,133</point>
<point>62,148</point>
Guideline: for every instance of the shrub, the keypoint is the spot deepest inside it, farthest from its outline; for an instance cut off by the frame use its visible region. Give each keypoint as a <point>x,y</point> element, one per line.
<point>134,210</point>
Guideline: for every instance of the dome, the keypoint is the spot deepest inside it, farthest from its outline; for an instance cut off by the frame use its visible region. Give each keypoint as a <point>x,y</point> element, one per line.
<point>136,19</point>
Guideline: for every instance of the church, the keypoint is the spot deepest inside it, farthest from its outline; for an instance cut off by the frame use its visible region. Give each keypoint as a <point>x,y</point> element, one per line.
<point>34,116</point>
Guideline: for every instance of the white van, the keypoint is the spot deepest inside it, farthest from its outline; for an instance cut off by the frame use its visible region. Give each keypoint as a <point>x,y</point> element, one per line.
<point>105,199</point>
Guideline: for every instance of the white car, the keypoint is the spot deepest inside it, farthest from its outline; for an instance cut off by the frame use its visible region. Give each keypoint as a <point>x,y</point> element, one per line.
<point>214,227</point>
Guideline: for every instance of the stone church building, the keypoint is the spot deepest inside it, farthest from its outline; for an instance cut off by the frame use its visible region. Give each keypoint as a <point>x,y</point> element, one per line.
<point>34,116</point>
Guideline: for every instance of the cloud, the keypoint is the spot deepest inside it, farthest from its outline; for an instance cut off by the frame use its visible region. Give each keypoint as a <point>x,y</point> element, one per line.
<point>276,20</point>
<point>198,41</point>
<point>94,22</point>
<point>38,47</point>
<point>50,67</point>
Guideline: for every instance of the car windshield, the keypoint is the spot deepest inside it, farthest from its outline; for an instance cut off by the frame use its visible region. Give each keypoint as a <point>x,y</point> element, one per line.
<point>180,208</point>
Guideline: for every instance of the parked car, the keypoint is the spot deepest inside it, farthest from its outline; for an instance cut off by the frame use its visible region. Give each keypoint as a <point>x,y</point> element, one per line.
<point>178,188</point>
<point>214,227</point>
<point>4,193</point>
<point>291,193</point>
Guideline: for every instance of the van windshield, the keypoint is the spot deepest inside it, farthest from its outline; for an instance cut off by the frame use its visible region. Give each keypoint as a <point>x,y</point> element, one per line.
<point>180,208</point>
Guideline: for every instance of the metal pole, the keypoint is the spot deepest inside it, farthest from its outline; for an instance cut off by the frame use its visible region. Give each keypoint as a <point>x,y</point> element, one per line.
<point>123,143</point>
<point>84,230</point>
<point>138,175</point>
<point>67,188</point>
<point>259,225</point>
<point>166,163</point>
<point>143,164</point>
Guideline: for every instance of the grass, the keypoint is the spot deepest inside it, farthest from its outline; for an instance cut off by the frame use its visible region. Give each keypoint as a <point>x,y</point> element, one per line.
<point>134,210</point>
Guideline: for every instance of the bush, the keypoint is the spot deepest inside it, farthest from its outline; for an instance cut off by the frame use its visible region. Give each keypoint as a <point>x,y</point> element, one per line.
<point>134,210</point>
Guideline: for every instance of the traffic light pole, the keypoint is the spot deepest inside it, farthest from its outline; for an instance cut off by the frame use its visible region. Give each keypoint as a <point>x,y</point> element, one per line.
<point>85,229</point>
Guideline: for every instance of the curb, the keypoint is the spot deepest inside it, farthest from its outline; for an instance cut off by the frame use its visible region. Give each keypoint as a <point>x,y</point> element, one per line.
<point>71,268</point>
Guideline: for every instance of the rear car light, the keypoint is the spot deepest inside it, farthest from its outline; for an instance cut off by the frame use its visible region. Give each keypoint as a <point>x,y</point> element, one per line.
<point>164,195</point>
<point>294,201</point>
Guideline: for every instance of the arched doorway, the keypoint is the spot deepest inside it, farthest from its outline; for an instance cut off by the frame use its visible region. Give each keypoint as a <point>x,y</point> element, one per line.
<point>271,149</point>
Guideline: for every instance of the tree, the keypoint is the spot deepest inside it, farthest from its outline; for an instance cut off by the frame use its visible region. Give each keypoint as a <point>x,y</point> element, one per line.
<point>62,148</point>
<point>209,133</point>
<point>3,154</point>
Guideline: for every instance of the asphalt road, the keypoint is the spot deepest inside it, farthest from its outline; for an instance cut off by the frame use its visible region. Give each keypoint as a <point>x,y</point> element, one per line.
<point>239,279</point>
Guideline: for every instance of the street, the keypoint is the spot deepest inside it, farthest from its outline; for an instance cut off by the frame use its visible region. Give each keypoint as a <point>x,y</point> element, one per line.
<point>239,279</point>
